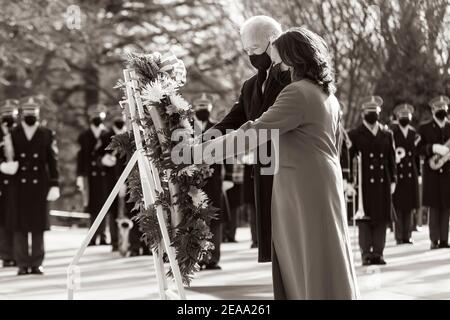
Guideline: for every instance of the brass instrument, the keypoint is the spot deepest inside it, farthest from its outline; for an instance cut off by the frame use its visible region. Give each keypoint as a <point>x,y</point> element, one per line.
<point>437,161</point>
<point>360,215</point>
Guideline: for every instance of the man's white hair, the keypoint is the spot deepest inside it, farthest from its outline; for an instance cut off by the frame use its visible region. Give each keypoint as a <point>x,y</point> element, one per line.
<point>262,28</point>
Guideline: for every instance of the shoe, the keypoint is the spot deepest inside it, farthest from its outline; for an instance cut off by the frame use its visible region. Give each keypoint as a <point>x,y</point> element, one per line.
<point>254,245</point>
<point>115,248</point>
<point>37,270</point>
<point>146,251</point>
<point>378,261</point>
<point>92,242</point>
<point>212,266</point>
<point>22,271</point>
<point>400,242</point>
<point>366,261</point>
<point>434,245</point>
<point>103,242</point>
<point>444,244</point>
<point>9,263</point>
<point>408,241</point>
<point>134,253</point>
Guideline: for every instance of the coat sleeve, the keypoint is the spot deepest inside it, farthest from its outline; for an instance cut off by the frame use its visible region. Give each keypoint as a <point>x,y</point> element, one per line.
<point>425,147</point>
<point>391,158</point>
<point>81,168</point>
<point>52,160</point>
<point>417,140</point>
<point>235,118</point>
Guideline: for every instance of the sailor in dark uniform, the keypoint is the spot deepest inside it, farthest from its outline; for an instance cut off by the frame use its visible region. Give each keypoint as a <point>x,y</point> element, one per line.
<point>37,183</point>
<point>406,196</point>
<point>375,144</point>
<point>434,146</point>
<point>8,191</point>
<point>213,187</point>
<point>91,171</point>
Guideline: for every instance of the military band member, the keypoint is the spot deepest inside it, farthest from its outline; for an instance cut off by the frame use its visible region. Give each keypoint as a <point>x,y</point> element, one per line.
<point>375,144</point>
<point>406,195</point>
<point>91,173</point>
<point>434,144</point>
<point>213,187</point>
<point>37,183</point>
<point>8,192</point>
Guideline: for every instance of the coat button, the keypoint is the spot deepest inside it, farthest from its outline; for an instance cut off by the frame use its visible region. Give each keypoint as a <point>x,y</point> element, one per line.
<point>371,155</point>
<point>35,155</point>
<point>382,167</point>
<point>23,180</point>
<point>409,175</point>
<point>35,181</point>
<point>401,165</point>
<point>372,180</point>
<point>409,164</point>
<point>22,155</point>
<point>24,168</point>
<point>371,167</point>
<point>94,173</point>
<point>93,163</point>
<point>103,173</point>
<point>381,180</point>
<point>5,181</point>
<point>440,170</point>
<point>35,168</point>
<point>409,153</point>
<point>401,176</point>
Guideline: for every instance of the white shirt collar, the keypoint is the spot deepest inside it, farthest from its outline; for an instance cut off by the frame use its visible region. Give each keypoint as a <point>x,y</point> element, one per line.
<point>97,130</point>
<point>404,130</point>
<point>440,123</point>
<point>373,129</point>
<point>30,130</point>
<point>201,124</point>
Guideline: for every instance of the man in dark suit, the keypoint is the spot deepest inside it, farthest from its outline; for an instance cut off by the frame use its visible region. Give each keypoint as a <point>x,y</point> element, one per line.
<point>37,183</point>
<point>8,190</point>
<point>257,94</point>
<point>91,169</point>
<point>434,144</point>
<point>375,144</point>
<point>406,196</point>
<point>213,187</point>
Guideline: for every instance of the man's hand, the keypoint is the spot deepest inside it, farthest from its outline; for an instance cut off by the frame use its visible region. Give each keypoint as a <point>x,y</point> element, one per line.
<point>53,194</point>
<point>247,125</point>
<point>9,168</point>
<point>109,160</point>
<point>393,185</point>
<point>80,183</point>
<point>440,149</point>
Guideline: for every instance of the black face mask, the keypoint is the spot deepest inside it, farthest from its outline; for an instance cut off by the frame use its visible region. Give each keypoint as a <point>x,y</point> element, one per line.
<point>441,114</point>
<point>30,120</point>
<point>9,121</point>
<point>371,117</point>
<point>96,121</point>
<point>119,124</point>
<point>202,114</point>
<point>261,61</point>
<point>404,121</point>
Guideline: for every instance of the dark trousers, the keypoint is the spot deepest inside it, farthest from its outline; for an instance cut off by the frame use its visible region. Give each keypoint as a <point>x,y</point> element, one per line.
<point>216,230</point>
<point>135,238</point>
<point>438,223</point>
<point>6,244</point>
<point>101,228</point>
<point>23,256</point>
<point>372,239</point>
<point>113,214</point>
<point>252,220</point>
<point>234,201</point>
<point>403,225</point>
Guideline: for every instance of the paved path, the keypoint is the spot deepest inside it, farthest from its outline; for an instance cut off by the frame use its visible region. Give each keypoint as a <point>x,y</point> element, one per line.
<point>413,272</point>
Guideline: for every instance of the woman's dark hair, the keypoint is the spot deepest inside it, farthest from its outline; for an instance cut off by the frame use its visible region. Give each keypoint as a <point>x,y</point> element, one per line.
<point>307,53</point>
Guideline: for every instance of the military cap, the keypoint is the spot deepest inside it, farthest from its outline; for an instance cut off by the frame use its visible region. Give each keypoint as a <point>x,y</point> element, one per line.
<point>372,103</point>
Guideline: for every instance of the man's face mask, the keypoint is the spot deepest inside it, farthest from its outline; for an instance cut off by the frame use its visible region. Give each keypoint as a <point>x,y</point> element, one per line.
<point>261,61</point>
<point>404,121</point>
<point>119,124</point>
<point>9,121</point>
<point>96,121</point>
<point>30,120</point>
<point>440,114</point>
<point>371,117</point>
<point>202,114</point>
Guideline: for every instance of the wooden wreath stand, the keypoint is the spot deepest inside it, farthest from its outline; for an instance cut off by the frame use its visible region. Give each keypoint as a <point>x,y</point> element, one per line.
<point>151,186</point>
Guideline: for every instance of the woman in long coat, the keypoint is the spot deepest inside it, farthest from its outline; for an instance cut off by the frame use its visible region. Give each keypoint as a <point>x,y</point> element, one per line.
<point>311,253</point>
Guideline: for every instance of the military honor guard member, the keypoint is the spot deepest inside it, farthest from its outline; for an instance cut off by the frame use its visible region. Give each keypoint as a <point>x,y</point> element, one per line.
<point>434,146</point>
<point>8,193</point>
<point>375,144</point>
<point>91,171</point>
<point>406,195</point>
<point>37,177</point>
<point>213,188</point>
